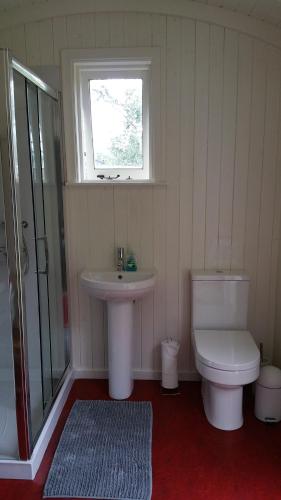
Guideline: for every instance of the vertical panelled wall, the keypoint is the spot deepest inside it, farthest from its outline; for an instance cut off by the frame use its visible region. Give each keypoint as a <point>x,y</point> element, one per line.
<point>277,333</point>
<point>277,337</point>
<point>221,155</point>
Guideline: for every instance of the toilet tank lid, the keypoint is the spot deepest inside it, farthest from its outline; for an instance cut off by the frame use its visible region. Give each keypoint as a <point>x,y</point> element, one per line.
<point>218,275</point>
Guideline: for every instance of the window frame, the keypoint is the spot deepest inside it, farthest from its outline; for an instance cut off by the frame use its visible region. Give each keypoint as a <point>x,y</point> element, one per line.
<point>85,137</point>
<point>138,61</point>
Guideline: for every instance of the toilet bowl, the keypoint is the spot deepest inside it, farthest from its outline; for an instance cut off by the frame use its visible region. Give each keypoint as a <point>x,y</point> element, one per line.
<point>226,360</point>
<point>226,355</point>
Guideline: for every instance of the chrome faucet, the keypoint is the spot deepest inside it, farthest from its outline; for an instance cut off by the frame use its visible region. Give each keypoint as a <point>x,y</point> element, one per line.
<point>120,259</point>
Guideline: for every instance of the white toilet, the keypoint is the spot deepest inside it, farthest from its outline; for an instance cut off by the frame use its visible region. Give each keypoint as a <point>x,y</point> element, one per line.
<point>225,352</point>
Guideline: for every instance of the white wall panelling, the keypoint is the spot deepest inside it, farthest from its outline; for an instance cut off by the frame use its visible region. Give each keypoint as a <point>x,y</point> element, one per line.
<point>240,17</point>
<point>277,337</point>
<point>275,319</point>
<point>219,155</point>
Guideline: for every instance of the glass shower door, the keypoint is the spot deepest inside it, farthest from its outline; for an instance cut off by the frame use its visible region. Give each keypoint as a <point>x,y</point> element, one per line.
<point>40,242</point>
<point>48,217</point>
<point>36,324</point>
<point>49,265</point>
<point>53,211</point>
<point>38,170</point>
<point>8,423</point>
<point>34,339</point>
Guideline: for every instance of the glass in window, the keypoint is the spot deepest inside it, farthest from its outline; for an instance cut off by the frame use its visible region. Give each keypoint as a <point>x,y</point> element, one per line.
<point>117,124</point>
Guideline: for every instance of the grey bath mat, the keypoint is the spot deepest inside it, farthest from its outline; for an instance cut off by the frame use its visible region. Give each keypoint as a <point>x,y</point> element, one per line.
<point>104,452</point>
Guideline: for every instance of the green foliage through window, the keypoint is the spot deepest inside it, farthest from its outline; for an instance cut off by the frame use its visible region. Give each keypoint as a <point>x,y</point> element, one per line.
<point>117,122</point>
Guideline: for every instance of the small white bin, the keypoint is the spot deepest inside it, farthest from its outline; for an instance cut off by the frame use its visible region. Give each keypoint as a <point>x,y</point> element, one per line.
<point>169,350</point>
<point>268,394</point>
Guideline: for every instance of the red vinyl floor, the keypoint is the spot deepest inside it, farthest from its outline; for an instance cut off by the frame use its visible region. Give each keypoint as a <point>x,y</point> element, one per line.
<point>191,460</point>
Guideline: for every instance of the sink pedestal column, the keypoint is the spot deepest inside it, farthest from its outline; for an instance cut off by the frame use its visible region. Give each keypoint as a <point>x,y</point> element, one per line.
<point>120,362</point>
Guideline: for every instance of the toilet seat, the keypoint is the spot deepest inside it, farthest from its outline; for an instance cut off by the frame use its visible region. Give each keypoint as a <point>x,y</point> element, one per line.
<point>226,357</point>
<point>226,350</point>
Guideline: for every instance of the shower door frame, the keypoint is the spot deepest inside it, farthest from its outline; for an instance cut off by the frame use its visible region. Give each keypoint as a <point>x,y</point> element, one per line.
<point>9,166</point>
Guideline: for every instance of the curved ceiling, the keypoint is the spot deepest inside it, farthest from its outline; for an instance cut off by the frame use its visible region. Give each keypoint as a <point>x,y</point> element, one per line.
<point>263,10</point>
<point>268,11</point>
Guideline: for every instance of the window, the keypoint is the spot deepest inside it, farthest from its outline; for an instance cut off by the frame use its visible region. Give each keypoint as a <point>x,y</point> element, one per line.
<point>118,142</point>
<point>110,98</point>
<point>113,128</point>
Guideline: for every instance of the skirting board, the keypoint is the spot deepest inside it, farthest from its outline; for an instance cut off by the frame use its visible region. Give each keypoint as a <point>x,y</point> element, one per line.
<point>138,374</point>
<point>16,469</point>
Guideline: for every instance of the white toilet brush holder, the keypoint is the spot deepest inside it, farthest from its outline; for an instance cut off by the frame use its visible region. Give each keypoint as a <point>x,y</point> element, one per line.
<point>169,350</point>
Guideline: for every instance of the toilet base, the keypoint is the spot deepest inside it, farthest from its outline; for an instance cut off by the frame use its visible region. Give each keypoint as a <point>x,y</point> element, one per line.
<point>223,405</point>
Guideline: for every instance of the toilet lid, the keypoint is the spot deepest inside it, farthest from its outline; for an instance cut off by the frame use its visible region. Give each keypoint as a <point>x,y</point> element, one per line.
<point>226,350</point>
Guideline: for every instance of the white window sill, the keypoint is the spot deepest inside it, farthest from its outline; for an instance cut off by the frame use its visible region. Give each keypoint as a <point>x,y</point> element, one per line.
<point>117,183</point>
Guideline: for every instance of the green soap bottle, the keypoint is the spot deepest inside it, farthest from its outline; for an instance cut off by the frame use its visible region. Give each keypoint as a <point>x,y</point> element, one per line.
<point>131,264</point>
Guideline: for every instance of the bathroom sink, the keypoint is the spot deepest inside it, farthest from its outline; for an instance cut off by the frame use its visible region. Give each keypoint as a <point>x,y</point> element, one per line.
<point>119,290</point>
<point>115,285</point>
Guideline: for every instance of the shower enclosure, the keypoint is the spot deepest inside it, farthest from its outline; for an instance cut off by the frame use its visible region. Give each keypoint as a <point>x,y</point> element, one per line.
<point>34,352</point>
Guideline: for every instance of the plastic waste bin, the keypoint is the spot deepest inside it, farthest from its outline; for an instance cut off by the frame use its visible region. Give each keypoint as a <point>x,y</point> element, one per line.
<point>169,350</point>
<point>268,394</point>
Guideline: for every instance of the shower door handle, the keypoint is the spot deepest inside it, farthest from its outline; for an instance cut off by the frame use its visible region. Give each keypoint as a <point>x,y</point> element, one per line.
<point>45,241</point>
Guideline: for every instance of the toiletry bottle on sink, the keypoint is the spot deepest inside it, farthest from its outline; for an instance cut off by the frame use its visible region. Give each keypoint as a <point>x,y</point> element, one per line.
<point>131,264</point>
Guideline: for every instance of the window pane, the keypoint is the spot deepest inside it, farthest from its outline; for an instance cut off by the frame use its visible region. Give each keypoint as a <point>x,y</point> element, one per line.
<point>116,112</point>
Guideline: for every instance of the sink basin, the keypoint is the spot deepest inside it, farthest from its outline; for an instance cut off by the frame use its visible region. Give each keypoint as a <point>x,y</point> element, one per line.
<point>121,286</point>
<point>119,290</point>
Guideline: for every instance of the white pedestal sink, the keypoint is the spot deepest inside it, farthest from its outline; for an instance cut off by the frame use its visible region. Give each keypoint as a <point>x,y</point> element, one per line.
<point>119,290</point>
